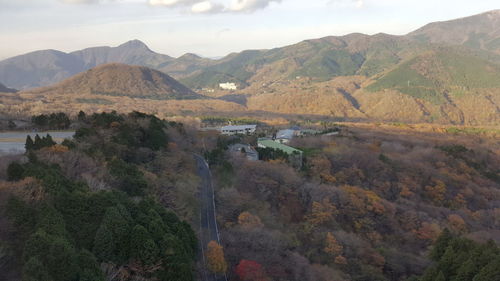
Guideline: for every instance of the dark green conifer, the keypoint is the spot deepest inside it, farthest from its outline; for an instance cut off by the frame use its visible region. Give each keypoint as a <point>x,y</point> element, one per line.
<point>34,270</point>
<point>89,267</point>
<point>104,244</point>
<point>441,244</point>
<point>15,171</point>
<point>490,272</point>
<point>142,246</point>
<point>29,143</point>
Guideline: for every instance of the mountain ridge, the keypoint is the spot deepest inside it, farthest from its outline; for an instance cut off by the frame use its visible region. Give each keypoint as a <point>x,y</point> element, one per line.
<point>136,52</point>
<point>116,79</point>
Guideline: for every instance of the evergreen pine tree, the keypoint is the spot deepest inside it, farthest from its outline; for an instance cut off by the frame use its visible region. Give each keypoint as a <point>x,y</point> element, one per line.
<point>62,260</point>
<point>89,268</point>
<point>440,277</point>
<point>37,245</point>
<point>15,171</point>
<point>81,116</point>
<point>120,230</point>
<point>467,270</point>
<point>490,272</point>
<point>38,143</point>
<point>29,143</point>
<point>48,141</point>
<point>142,247</point>
<point>441,244</point>
<point>447,263</point>
<point>104,244</point>
<point>34,270</point>
<point>51,221</point>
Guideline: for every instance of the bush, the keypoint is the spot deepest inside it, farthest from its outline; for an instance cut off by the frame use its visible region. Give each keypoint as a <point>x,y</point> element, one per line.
<point>15,172</point>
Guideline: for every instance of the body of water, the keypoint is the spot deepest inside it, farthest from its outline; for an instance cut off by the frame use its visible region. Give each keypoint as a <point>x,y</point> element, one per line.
<point>13,142</point>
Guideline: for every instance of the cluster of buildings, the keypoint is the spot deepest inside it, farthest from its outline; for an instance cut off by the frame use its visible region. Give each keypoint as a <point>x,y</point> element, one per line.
<point>278,141</point>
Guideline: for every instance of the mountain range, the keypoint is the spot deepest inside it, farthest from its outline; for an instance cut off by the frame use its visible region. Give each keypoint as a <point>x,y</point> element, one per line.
<point>443,72</point>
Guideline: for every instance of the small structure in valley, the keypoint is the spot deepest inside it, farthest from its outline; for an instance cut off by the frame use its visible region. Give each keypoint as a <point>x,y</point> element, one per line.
<point>238,129</point>
<point>228,86</point>
<point>294,155</point>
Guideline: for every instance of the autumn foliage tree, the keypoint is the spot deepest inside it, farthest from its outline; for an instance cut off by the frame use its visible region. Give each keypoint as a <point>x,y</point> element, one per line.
<point>215,257</point>
<point>332,246</point>
<point>322,212</point>
<point>247,220</point>
<point>334,249</point>
<point>436,192</point>
<point>249,270</point>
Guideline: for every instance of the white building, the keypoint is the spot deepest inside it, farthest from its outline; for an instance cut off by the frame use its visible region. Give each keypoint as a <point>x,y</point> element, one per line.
<point>228,86</point>
<point>238,129</point>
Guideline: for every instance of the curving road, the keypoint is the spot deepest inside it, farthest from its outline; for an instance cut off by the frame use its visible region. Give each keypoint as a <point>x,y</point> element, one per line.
<point>208,222</point>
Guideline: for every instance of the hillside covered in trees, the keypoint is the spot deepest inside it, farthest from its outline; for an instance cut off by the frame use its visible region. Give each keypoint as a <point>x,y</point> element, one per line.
<point>98,207</point>
<point>120,201</point>
<point>368,204</point>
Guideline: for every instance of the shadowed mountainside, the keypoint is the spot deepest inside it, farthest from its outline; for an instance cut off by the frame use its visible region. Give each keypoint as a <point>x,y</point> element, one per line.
<point>4,89</point>
<point>46,67</point>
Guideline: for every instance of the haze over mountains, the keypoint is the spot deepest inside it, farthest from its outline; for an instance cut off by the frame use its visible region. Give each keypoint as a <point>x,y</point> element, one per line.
<point>445,72</point>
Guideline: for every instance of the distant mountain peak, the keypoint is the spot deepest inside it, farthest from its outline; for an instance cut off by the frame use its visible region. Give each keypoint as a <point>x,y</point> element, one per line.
<point>135,44</point>
<point>190,56</point>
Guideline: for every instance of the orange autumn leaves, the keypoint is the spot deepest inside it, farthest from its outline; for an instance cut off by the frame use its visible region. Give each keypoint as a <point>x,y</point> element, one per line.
<point>334,249</point>
<point>215,258</point>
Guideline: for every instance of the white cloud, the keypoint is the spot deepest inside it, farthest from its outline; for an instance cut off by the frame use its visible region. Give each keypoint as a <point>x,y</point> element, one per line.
<point>246,6</point>
<point>172,3</point>
<point>206,7</point>
<point>211,6</point>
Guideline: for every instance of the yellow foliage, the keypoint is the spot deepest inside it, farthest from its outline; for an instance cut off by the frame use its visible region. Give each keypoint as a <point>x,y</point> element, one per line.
<point>436,192</point>
<point>215,258</point>
<point>405,192</point>
<point>58,148</point>
<point>332,246</point>
<point>322,212</point>
<point>248,220</point>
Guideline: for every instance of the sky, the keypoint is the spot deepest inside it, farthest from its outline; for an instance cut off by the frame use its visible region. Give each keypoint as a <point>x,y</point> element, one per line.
<point>211,28</point>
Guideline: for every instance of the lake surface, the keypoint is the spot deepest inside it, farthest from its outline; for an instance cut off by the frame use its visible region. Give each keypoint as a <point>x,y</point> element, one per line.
<point>13,142</point>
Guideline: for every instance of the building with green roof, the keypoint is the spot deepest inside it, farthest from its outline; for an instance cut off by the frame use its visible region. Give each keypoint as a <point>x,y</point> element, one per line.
<point>294,155</point>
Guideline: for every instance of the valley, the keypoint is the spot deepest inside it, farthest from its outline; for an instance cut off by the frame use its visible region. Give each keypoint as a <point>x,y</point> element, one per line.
<point>342,158</point>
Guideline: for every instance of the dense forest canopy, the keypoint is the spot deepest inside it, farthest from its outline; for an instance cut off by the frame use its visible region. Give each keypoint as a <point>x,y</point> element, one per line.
<point>120,201</point>
<point>86,210</point>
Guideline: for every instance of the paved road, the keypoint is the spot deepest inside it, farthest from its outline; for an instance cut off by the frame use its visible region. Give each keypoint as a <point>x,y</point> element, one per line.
<point>208,223</point>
